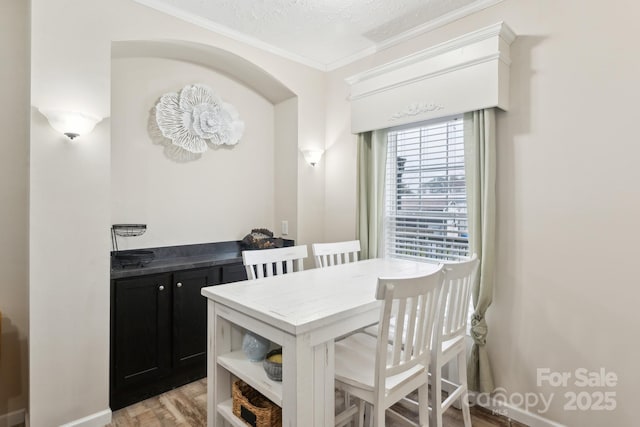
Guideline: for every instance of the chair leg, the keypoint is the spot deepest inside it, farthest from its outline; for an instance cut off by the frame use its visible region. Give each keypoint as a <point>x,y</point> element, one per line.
<point>464,397</point>
<point>378,415</point>
<point>423,405</point>
<point>361,413</point>
<point>436,395</point>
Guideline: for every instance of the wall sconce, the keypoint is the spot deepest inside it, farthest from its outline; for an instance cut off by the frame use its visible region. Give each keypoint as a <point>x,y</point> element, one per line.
<point>312,156</point>
<point>70,123</point>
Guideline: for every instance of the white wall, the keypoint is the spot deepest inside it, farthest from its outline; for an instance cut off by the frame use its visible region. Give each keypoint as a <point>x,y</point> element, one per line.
<point>14,181</point>
<point>70,189</point>
<point>340,160</point>
<point>286,167</point>
<point>566,294</point>
<point>220,196</point>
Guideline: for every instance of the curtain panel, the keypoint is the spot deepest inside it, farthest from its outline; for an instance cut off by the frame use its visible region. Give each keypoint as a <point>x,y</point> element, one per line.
<point>372,160</point>
<point>480,169</point>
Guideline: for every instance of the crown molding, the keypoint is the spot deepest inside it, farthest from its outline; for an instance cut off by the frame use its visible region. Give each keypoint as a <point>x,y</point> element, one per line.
<point>439,22</point>
<point>192,18</point>
<point>500,29</point>
<point>416,31</point>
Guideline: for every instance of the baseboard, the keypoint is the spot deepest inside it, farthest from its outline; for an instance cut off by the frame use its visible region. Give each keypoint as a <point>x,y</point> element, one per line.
<point>99,419</point>
<point>513,412</point>
<point>12,418</point>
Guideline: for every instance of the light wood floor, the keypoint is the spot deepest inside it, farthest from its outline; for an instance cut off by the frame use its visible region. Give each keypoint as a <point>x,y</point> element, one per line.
<point>187,407</point>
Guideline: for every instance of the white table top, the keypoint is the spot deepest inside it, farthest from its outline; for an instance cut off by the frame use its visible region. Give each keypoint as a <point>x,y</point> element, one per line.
<point>303,301</point>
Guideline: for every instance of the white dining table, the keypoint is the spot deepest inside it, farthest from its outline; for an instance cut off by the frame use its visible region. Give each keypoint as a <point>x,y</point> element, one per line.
<point>303,312</point>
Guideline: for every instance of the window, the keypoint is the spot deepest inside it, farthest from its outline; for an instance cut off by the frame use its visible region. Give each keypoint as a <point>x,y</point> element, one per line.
<point>426,197</point>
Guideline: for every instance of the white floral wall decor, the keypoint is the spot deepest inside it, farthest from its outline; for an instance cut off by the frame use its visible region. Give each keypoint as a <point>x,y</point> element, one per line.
<point>196,118</point>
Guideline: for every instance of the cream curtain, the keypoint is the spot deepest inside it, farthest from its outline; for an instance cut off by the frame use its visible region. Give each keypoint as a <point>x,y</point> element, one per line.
<point>372,158</point>
<point>480,169</point>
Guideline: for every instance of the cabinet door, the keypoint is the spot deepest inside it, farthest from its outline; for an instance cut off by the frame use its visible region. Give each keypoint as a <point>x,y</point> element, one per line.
<point>190,316</point>
<point>142,330</point>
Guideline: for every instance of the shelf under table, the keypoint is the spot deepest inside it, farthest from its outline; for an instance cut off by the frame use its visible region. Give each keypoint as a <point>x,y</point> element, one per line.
<point>253,374</point>
<point>226,410</point>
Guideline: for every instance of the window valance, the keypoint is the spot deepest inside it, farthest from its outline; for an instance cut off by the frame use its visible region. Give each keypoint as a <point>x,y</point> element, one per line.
<point>467,73</point>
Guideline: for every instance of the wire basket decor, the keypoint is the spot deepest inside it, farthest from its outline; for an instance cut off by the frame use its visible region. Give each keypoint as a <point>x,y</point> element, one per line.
<point>125,230</point>
<point>129,230</point>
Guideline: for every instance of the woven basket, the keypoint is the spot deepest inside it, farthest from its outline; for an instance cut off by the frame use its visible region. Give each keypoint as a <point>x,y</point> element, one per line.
<point>253,408</point>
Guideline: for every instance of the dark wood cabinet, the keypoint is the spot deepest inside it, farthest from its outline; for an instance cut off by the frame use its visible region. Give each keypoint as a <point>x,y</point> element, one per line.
<point>233,273</point>
<point>159,330</point>
<point>190,317</point>
<point>142,330</point>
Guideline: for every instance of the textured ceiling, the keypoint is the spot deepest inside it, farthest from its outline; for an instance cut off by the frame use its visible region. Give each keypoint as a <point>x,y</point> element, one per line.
<point>321,33</point>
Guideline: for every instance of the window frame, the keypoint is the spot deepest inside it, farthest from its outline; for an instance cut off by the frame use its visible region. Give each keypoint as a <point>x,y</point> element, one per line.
<point>450,248</point>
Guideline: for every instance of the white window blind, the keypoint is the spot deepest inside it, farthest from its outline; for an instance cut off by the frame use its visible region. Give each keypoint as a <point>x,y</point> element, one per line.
<point>426,198</point>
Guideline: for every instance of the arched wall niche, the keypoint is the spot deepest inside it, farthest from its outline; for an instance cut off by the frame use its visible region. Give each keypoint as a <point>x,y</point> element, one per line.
<point>220,60</point>
<point>227,191</point>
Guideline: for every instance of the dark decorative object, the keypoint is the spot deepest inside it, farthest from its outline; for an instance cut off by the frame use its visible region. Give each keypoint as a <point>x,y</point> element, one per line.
<point>272,366</point>
<point>261,238</point>
<point>136,258</point>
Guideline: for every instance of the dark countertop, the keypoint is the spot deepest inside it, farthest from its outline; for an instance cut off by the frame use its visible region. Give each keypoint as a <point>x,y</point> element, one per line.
<point>173,258</point>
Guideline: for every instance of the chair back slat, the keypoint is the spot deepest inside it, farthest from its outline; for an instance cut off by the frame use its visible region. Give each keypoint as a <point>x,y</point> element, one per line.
<point>420,332</point>
<point>410,328</point>
<point>267,262</point>
<point>279,269</point>
<point>330,254</point>
<point>399,332</point>
<point>411,305</point>
<point>456,295</point>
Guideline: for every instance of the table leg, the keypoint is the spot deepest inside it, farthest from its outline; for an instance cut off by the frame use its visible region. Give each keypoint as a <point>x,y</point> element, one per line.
<point>324,384</point>
<point>218,378</point>
<point>308,383</point>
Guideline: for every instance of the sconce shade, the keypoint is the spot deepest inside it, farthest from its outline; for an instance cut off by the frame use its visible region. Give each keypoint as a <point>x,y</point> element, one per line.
<point>312,156</point>
<point>70,123</point>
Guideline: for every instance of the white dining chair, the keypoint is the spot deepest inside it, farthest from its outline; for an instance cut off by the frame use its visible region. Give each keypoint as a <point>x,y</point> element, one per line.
<point>336,253</point>
<point>452,326</point>
<point>452,329</point>
<point>328,254</point>
<point>268,262</point>
<point>381,372</point>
